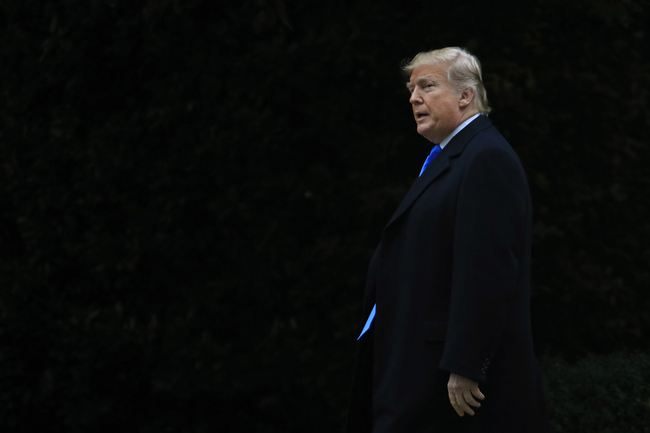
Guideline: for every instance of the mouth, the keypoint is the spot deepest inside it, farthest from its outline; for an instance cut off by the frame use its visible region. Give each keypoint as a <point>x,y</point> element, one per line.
<point>420,116</point>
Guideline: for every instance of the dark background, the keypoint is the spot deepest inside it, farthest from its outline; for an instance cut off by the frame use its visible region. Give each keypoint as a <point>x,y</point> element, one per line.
<point>191,191</point>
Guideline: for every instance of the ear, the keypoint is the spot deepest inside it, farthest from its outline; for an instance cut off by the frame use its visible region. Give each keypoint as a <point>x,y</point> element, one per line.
<point>466,97</point>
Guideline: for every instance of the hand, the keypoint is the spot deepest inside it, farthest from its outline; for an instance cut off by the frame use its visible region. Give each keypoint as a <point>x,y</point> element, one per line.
<point>462,392</point>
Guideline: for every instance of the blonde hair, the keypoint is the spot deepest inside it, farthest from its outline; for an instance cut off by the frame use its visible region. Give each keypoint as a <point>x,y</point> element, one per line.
<point>463,72</point>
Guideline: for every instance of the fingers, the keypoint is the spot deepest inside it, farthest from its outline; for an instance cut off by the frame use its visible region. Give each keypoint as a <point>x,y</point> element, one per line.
<point>462,404</point>
<point>477,393</point>
<point>462,393</point>
<point>467,396</point>
<point>454,404</point>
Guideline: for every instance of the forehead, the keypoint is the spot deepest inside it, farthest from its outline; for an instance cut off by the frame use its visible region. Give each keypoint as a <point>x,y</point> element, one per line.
<point>435,71</point>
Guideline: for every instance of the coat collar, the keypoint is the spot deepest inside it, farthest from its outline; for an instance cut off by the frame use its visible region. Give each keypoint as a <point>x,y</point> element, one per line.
<point>440,163</point>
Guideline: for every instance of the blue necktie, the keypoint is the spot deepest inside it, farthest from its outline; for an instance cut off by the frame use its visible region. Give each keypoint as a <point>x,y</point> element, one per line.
<point>369,321</point>
<point>434,152</point>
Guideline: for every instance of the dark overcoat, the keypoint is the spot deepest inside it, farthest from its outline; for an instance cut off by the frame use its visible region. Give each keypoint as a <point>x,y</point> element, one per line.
<point>451,281</point>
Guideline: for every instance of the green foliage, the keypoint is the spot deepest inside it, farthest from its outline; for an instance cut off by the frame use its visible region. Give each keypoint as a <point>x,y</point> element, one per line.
<point>599,394</point>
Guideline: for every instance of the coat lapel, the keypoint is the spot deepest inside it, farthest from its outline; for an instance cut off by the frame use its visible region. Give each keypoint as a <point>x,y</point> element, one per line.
<point>440,164</point>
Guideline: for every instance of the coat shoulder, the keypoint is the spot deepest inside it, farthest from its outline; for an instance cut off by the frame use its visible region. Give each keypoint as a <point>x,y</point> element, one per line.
<point>489,144</point>
<point>489,138</point>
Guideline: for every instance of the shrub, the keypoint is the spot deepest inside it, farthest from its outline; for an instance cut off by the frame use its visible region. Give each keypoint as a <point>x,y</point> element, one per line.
<point>599,393</point>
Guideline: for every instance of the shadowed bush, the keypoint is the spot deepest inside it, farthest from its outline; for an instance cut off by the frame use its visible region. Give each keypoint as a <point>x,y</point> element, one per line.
<point>599,394</point>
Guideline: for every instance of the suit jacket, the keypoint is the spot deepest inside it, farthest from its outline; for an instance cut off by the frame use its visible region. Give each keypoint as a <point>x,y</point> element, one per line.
<point>451,280</point>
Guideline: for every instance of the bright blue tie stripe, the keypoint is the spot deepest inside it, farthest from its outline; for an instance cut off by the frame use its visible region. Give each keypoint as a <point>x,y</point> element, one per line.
<point>434,152</point>
<point>369,321</point>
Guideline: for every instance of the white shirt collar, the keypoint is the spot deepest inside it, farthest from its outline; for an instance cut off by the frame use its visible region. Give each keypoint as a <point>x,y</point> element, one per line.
<point>460,127</point>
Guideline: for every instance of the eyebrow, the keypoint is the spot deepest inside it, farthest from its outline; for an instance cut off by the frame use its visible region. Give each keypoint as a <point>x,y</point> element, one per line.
<point>420,80</point>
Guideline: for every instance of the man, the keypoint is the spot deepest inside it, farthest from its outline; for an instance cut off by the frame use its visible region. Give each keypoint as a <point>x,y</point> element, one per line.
<point>447,344</point>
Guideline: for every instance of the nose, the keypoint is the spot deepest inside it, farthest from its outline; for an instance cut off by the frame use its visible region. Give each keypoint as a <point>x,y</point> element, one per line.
<point>415,97</point>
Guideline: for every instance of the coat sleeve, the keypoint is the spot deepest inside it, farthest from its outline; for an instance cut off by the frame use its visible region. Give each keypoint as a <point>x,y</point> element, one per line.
<point>488,248</point>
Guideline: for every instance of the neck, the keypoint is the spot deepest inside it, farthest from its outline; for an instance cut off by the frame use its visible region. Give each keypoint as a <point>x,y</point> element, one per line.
<point>467,113</point>
<point>446,140</point>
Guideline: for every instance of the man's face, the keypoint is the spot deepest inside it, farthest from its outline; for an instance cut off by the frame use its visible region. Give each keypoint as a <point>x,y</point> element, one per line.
<point>435,105</point>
